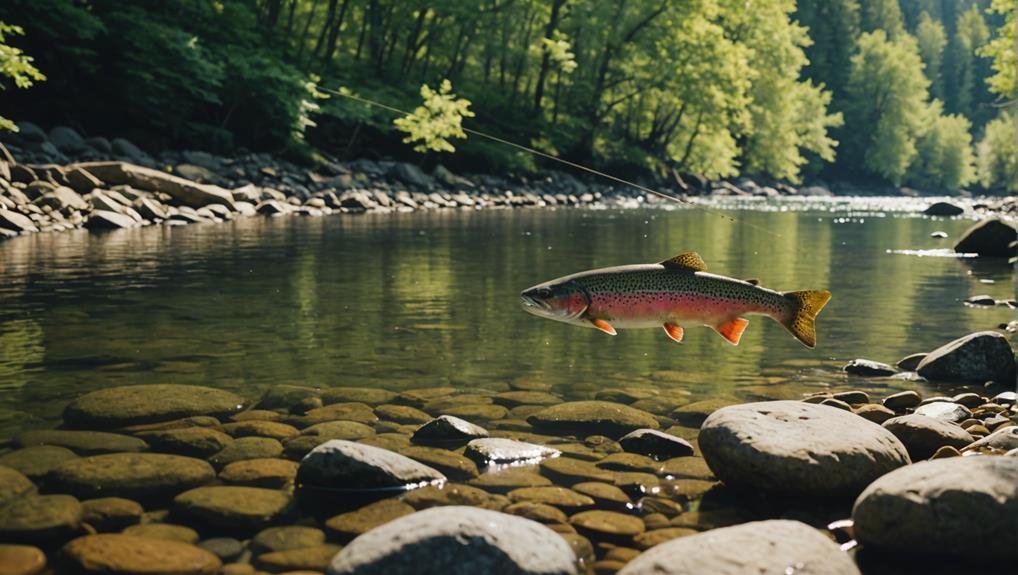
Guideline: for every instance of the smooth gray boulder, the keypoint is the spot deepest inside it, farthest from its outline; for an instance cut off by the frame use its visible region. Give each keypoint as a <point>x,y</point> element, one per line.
<point>1004,438</point>
<point>977,357</point>
<point>184,191</point>
<point>448,429</point>
<point>495,450</point>
<point>965,506</point>
<point>989,237</point>
<point>457,540</point>
<point>656,444</point>
<point>341,464</point>
<point>774,547</point>
<point>798,448</point>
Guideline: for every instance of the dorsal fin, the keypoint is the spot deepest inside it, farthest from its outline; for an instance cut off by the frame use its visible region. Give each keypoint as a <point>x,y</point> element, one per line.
<point>687,260</point>
<point>753,281</point>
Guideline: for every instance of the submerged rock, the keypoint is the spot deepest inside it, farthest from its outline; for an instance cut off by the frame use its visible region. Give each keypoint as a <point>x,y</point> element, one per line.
<point>133,404</point>
<point>592,418</point>
<point>35,462</point>
<point>923,435</point>
<point>943,209</point>
<point>777,546</point>
<point>446,429</point>
<point>977,357</point>
<point>130,475</point>
<point>987,238</point>
<point>340,464</point>
<point>654,443</point>
<point>117,554</point>
<point>111,513</point>
<point>13,485</point>
<point>457,541</point>
<point>346,526</point>
<point>797,448</point>
<point>868,368</point>
<point>499,450</point>
<point>21,559</point>
<point>234,507</point>
<point>966,506</point>
<point>84,442</point>
<point>40,518</point>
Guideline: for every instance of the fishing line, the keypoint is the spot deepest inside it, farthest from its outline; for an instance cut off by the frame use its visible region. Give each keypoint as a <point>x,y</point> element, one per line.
<point>545,155</point>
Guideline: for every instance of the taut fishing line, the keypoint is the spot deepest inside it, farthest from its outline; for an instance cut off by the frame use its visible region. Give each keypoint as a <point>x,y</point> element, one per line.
<point>545,155</point>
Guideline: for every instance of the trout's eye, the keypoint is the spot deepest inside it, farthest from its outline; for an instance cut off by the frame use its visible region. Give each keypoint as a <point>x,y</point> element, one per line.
<point>544,293</point>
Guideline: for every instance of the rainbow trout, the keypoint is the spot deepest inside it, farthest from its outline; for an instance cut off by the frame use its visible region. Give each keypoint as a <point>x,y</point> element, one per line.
<point>673,293</point>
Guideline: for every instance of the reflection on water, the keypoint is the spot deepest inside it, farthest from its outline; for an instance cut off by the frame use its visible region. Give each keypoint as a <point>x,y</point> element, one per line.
<point>432,299</point>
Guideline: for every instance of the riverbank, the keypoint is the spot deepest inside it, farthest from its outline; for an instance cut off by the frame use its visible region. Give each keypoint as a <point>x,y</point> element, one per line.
<point>60,181</point>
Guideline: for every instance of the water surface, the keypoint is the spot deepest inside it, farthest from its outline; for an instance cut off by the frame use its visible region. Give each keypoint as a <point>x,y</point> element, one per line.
<point>431,299</point>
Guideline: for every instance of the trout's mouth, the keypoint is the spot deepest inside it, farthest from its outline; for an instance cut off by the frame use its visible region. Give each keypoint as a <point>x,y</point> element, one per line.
<point>533,304</point>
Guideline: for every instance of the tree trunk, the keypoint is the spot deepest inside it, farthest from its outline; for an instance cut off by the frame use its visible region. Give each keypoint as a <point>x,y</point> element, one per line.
<point>549,32</point>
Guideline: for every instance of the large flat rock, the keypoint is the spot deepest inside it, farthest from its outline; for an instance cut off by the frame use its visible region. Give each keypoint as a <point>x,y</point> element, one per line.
<point>341,464</point>
<point>976,357</point>
<point>797,448</point>
<point>119,554</point>
<point>130,475</point>
<point>134,404</point>
<point>592,418</point>
<point>184,191</point>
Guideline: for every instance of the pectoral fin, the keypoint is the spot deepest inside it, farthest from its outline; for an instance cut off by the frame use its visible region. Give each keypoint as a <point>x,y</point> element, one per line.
<point>732,330</point>
<point>603,326</point>
<point>674,331</point>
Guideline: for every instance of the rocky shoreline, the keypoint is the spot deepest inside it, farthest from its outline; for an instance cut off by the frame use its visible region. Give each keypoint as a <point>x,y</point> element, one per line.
<point>59,181</point>
<point>340,480</point>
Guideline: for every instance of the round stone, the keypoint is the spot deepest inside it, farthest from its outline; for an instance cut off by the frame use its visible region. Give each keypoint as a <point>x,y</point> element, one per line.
<point>629,462</point>
<point>922,435</point>
<point>451,464</point>
<point>599,524</point>
<point>192,441</point>
<point>346,526</point>
<point>163,531</point>
<point>132,404</point>
<point>234,507</point>
<point>557,496</point>
<point>259,428</point>
<point>511,399</point>
<point>798,448</point>
<point>656,444</point>
<point>540,512</point>
<point>247,448</point>
<point>40,518</point>
<point>111,513</point>
<point>83,442</point>
<point>344,464</point>
<point>354,411</point>
<point>591,418</point>
<point>965,506</point>
<point>368,395</point>
<point>457,540</point>
<point>603,494</point>
<point>902,400</point>
<point>286,538</point>
<point>306,560</point>
<point>130,475</point>
<point>567,470</point>
<point>655,537</point>
<point>13,485</point>
<point>402,414</point>
<point>226,548</point>
<point>36,462</point>
<point>497,450</point>
<point>263,472</point>
<point>977,357</point>
<point>446,429</point>
<point>694,414</point>
<point>120,554</point>
<point>21,560</point>
<point>777,546</point>
<point>867,368</point>
<point>349,430</point>
<point>506,480</point>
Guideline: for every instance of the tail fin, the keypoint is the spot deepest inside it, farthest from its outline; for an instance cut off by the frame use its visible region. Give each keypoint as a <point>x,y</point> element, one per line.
<point>805,307</point>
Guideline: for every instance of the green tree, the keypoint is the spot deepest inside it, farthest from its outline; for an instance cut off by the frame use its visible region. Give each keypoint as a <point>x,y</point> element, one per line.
<point>16,66</point>
<point>932,40</point>
<point>887,104</point>
<point>1003,51</point>
<point>833,27</point>
<point>430,126</point>
<point>882,15</point>
<point>964,94</point>
<point>998,154</point>
<point>944,158</point>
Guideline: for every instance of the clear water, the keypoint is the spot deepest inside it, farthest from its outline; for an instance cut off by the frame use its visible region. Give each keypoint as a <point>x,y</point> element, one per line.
<point>431,299</point>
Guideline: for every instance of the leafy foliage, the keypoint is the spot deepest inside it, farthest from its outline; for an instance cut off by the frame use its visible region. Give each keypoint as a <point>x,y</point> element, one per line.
<point>998,154</point>
<point>944,158</point>
<point>16,66</point>
<point>430,126</point>
<point>1003,52</point>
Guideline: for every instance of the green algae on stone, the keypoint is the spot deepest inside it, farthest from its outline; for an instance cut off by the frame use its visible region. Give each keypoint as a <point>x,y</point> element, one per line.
<point>13,485</point>
<point>118,554</point>
<point>36,461</point>
<point>40,518</point>
<point>134,404</point>
<point>81,442</point>
<point>130,475</point>
<point>234,507</point>
<point>345,526</point>
<point>111,513</point>
<point>591,418</point>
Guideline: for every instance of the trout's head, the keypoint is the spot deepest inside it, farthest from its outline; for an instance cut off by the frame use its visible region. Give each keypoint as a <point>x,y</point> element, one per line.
<point>562,301</point>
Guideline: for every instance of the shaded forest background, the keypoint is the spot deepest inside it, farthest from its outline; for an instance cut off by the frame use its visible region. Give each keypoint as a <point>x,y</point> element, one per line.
<point>906,92</point>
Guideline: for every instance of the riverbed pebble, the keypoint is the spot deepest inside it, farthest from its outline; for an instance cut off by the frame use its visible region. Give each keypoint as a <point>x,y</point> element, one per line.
<point>38,518</point>
<point>495,450</point>
<point>131,404</point>
<point>21,560</point>
<point>592,418</point>
<point>345,464</point>
<point>111,513</point>
<point>965,506</point>
<point>656,444</point>
<point>35,462</point>
<point>231,507</point>
<point>457,540</point>
<point>81,442</point>
<point>923,435</point>
<point>798,448</point>
<point>446,430</point>
<point>130,475</point>
<point>126,554</point>
<point>777,546</point>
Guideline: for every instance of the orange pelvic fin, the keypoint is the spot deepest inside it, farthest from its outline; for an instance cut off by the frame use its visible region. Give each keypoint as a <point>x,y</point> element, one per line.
<point>732,330</point>
<point>674,331</point>
<point>603,326</point>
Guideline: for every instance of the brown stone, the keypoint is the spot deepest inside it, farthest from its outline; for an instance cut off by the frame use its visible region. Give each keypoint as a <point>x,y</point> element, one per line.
<point>118,554</point>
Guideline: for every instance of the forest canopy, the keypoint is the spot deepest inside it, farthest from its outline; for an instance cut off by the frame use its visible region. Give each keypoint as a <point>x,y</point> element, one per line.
<point>907,92</point>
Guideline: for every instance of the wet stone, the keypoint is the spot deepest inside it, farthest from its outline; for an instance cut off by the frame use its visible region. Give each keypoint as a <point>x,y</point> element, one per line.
<point>506,480</point>
<point>402,414</point>
<point>182,423</point>
<point>902,400</point>
<point>910,362</point>
<point>511,399</point>
<point>655,521</point>
<point>359,412</point>
<point>453,494</point>
<point>440,404</point>
<point>493,450</point>
<point>976,357</point>
<point>626,396</point>
<point>345,464</point>
<point>391,441</point>
<point>271,473</point>
<point>836,403</point>
<point>540,512</point>
<point>286,397</point>
<point>132,404</point>
<point>13,485</point>
<point>873,412</point>
<point>603,494</point>
<point>591,418</point>
<point>81,442</point>
<point>194,441</point>
<point>234,507</point>
<point>635,483</point>
<point>659,505</point>
<point>256,428</point>
<point>246,448</point>
<point>286,538</point>
<point>556,496</point>
<point>1004,438</point>
<point>568,471</point>
<point>130,475</point>
<point>449,463</point>
<point>655,537</point>
<point>599,524</point>
<point>656,444</point>
<point>125,554</point>
<point>225,548</point>
<point>759,547</point>
<point>694,414</point>
<point>40,518</point>
<point>868,368</point>
<point>21,560</point>
<point>166,531</point>
<point>629,462</point>
<point>36,462</point>
<point>445,430</point>
<point>687,467</point>
<point>477,412</point>
<point>457,540</point>
<point>111,513</point>
<point>923,435</point>
<point>346,526</point>
<point>368,395</point>
<point>348,430</point>
<point>853,397</point>
<point>946,411</point>
<point>309,559</point>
